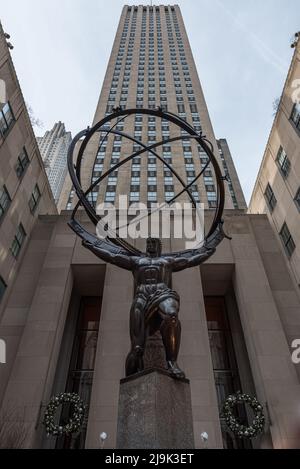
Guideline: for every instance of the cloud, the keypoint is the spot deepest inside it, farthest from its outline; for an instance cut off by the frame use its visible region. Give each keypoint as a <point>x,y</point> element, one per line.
<point>265,52</point>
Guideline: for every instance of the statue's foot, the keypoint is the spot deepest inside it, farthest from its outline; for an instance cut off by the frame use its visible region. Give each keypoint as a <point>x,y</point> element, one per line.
<point>175,371</point>
<point>134,362</point>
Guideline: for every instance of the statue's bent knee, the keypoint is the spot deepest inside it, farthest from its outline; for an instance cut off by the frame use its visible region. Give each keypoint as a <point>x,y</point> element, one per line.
<point>169,308</point>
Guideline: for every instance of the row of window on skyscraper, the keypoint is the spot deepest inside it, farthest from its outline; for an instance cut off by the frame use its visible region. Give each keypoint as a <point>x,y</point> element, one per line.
<point>135,182</point>
<point>151,71</point>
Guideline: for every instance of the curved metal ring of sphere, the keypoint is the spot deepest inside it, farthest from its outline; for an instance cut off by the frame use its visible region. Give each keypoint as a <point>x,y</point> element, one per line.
<point>75,171</point>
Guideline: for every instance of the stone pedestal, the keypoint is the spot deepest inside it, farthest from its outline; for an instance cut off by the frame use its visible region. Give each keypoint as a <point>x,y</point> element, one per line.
<point>155,412</point>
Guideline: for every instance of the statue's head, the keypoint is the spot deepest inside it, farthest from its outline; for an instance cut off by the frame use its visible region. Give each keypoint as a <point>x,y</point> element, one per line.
<point>154,247</point>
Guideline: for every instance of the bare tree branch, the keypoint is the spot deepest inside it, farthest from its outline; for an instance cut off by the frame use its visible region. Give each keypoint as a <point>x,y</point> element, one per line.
<point>35,122</point>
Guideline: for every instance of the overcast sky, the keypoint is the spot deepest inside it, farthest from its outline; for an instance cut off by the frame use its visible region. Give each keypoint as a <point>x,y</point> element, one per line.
<point>241,48</point>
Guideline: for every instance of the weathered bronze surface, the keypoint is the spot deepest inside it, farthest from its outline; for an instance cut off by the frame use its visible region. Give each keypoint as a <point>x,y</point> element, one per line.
<point>156,305</point>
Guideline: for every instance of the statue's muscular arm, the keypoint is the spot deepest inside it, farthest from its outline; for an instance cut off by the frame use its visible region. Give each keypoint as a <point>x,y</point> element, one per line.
<point>190,258</point>
<point>194,257</point>
<point>116,256</point>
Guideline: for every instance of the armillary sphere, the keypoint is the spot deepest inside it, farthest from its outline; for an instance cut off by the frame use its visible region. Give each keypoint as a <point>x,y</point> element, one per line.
<point>116,243</point>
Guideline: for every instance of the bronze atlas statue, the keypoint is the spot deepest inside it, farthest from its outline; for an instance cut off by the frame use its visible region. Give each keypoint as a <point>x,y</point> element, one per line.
<point>156,305</point>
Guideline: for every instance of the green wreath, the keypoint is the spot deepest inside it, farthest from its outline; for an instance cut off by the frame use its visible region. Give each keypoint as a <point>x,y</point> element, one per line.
<point>76,421</point>
<point>243,431</point>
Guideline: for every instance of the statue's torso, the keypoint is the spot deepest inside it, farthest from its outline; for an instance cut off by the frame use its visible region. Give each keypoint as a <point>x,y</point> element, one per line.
<point>155,272</point>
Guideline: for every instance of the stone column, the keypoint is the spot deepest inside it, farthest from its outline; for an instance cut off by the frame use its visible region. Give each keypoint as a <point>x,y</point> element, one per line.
<point>195,358</point>
<point>274,374</point>
<point>113,346</point>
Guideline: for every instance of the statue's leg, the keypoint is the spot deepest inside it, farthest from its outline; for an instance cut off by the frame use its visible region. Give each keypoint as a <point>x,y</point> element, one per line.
<point>170,330</point>
<point>134,362</point>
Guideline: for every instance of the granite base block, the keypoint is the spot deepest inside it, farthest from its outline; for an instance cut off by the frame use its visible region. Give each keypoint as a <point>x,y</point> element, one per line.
<point>155,412</point>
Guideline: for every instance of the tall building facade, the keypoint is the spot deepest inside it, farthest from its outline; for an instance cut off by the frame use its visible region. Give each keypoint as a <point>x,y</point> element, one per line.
<point>277,189</point>
<point>152,65</point>
<point>234,185</point>
<point>24,189</point>
<point>54,146</point>
<point>68,312</point>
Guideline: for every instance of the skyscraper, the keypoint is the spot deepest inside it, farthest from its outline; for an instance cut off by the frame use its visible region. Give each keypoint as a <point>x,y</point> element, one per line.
<point>54,147</point>
<point>152,65</point>
<point>232,178</point>
<point>277,189</point>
